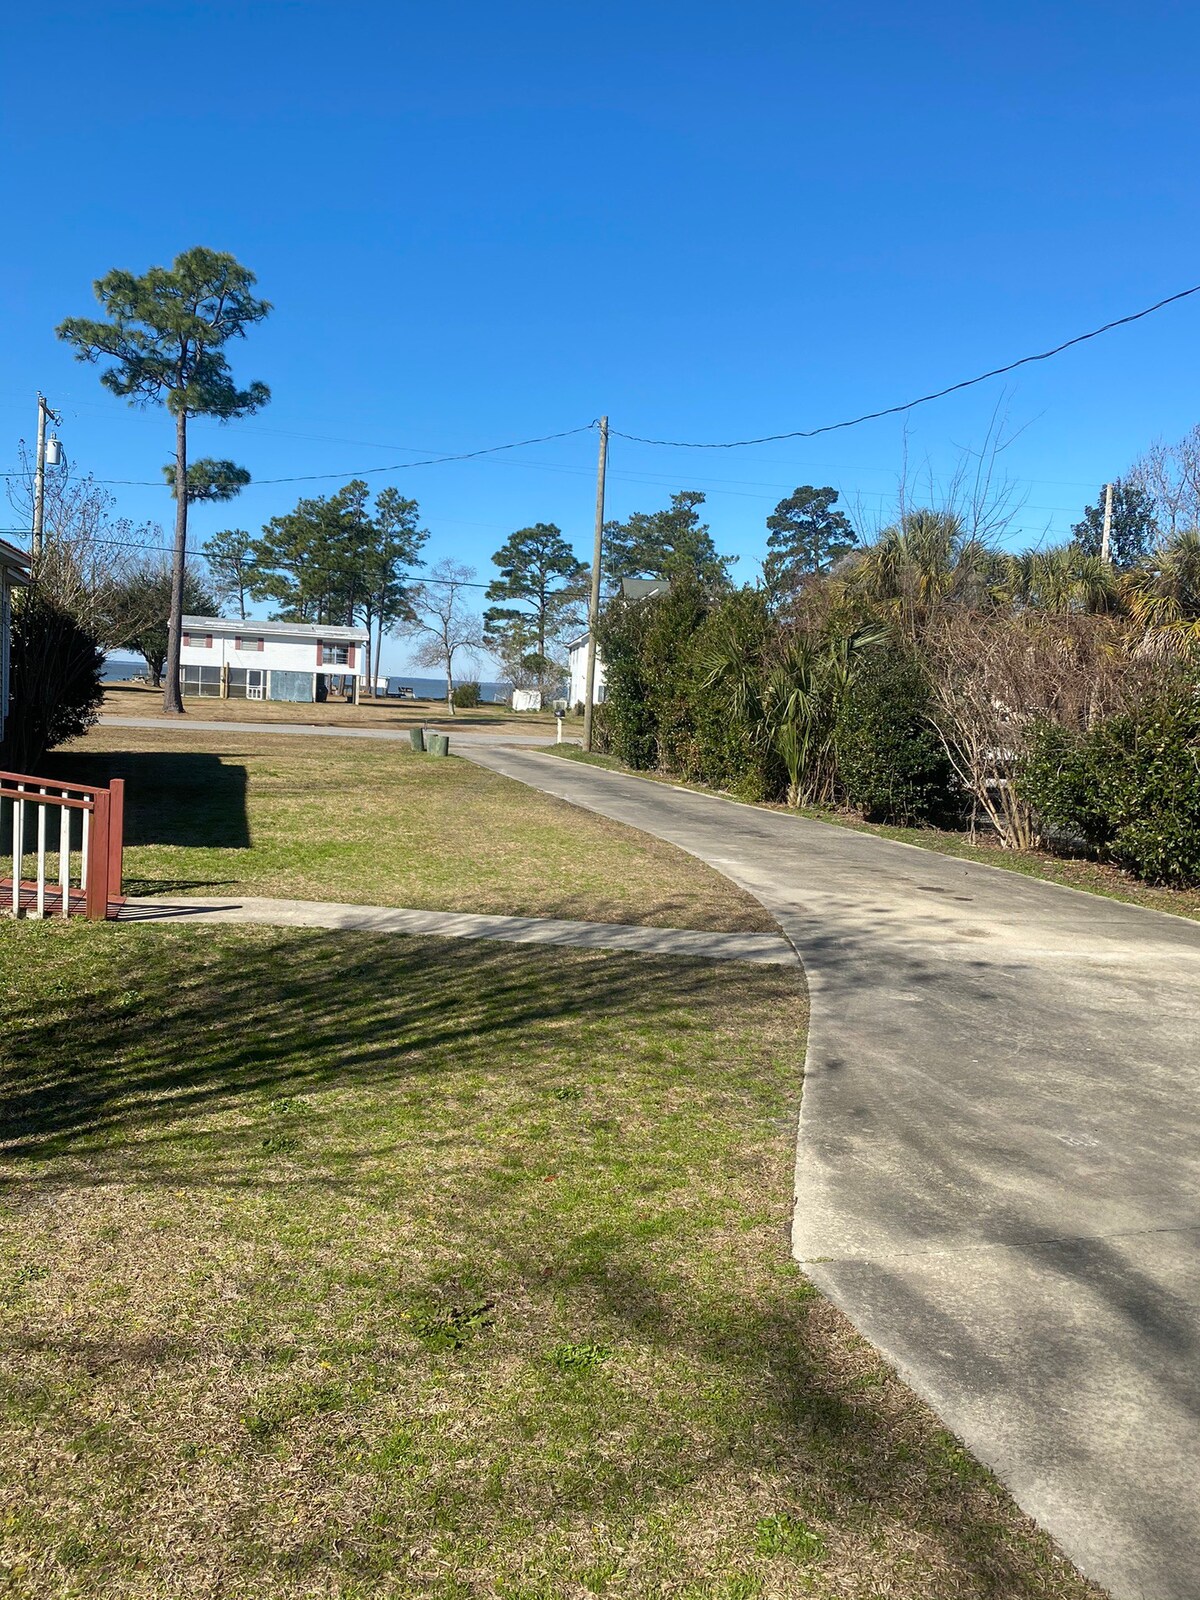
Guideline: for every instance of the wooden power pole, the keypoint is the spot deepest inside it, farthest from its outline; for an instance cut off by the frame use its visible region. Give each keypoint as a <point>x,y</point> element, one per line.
<point>589,699</point>
<point>1107,534</point>
<point>39,474</point>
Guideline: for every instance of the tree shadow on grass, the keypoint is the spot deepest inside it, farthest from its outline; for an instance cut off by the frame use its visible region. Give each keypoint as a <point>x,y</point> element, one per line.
<point>172,1027</point>
<point>132,1076</point>
<point>172,797</point>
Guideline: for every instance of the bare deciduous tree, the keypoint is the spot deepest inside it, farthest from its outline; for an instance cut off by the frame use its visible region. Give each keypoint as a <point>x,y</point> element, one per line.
<point>86,552</point>
<point>1171,473</point>
<point>993,677</point>
<point>442,624</point>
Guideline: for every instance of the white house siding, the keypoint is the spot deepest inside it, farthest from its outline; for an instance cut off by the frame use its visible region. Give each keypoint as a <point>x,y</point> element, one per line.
<point>577,660</point>
<point>290,658</point>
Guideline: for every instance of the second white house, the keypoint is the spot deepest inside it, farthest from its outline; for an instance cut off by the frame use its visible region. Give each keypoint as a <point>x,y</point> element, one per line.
<point>296,661</point>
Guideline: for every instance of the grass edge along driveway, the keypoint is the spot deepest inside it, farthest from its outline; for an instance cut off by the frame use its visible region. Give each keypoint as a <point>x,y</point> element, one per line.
<point>381,1267</point>
<point>370,823</point>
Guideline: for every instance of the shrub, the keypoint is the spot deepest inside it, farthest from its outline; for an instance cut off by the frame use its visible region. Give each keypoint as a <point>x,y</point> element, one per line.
<point>891,763</point>
<point>647,649</point>
<point>730,748</point>
<point>1129,787</point>
<point>468,694</point>
<point>56,690</point>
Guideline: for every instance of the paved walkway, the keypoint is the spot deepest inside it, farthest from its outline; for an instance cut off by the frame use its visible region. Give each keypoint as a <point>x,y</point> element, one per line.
<point>761,948</point>
<point>998,1173</point>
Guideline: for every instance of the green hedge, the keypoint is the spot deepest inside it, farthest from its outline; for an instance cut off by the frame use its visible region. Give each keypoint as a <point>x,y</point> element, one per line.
<point>891,764</point>
<point>1129,788</point>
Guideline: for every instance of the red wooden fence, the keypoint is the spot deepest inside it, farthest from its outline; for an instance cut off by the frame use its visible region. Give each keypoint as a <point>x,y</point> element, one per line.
<point>88,877</point>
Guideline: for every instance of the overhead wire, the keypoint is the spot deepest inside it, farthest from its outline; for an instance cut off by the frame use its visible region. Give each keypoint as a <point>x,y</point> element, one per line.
<point>921,400</point>
<point>361,472</point>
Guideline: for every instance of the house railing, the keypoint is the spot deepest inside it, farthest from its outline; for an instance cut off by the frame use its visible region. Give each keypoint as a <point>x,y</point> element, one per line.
<point>76,868</point>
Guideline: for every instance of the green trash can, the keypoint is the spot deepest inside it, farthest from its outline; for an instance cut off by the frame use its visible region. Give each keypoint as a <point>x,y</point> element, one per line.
<point>417,736</point>
<point>438,744</point>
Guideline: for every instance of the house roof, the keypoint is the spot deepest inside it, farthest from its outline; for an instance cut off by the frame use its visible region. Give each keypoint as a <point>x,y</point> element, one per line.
<point>275,630</point>
<point>643,588</point>
<point>15,562</point>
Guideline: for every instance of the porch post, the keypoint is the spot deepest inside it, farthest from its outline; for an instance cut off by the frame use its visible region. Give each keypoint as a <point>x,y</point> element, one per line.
<point>96,887</point>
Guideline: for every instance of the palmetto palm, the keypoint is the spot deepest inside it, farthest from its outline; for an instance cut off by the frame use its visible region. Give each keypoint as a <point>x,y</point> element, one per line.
<point>800,700</point>
<point>1163,595</point>
<point>925,558</point>
<point>1059,580</point>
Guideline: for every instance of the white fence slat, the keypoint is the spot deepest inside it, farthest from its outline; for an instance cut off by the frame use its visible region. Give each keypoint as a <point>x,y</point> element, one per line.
<point>18,849</point>
<point>41,859</point>
<point>64,856</point>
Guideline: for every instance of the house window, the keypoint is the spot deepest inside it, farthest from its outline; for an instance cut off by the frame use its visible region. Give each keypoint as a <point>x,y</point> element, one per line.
<point>201,680</point>
<point>335,655</point>
<point>198,641</point>
<point>248,644</point>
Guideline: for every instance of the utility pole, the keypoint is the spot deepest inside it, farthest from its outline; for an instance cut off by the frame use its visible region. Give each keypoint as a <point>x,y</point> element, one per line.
<point>589,700</point>
<point>39,472</point>
<point>1105,537</point>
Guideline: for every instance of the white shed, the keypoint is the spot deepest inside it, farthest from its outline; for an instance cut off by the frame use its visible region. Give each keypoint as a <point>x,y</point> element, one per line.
<point>296,661</point>
<point>14,570</point>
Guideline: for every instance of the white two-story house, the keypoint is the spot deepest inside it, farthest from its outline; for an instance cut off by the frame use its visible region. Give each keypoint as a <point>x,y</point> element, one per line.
<point>14,570</point>
<point>297,661</point>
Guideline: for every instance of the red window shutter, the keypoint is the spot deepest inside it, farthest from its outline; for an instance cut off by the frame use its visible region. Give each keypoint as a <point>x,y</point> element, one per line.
<point>237,643</point>
<point>187,638</point>
<point>208,641</point>
<point>350,656</point>
<point>320,653</point>
<point>260,644</point>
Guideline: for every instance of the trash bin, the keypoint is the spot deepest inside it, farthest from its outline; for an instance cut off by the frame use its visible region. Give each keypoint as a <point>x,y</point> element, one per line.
<point>438,744</point>
<point>417,735</point>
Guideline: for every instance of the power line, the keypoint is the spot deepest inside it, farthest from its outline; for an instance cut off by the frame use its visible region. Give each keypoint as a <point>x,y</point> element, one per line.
<point>168,549</point>
<point>684,444</point>
<point>907,405</point>
<point>362,472</point>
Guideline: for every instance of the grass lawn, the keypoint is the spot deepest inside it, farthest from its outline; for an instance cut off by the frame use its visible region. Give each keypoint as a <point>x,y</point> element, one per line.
<point>359,1267</point>
<point>368,822</point>
<point>138,700</point>
<point>1096,877</point>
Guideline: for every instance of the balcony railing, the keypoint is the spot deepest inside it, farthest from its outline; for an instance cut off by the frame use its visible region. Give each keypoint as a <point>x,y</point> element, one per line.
<point>75,867</point>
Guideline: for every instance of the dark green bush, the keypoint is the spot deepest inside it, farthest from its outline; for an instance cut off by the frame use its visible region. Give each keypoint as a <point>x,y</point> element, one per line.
<point>647,650</point>
<point>891,764</point>
<point>730,749</point>
<point>1129,788</point>
<point>467,694</point>
<point>55,684</point>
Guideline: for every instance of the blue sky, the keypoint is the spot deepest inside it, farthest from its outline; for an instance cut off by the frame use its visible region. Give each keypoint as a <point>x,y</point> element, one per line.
<point>479,223</point>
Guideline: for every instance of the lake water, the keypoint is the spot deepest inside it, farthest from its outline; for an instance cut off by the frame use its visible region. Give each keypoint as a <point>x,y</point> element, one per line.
<point>118,667</point>
<point>435,688</point>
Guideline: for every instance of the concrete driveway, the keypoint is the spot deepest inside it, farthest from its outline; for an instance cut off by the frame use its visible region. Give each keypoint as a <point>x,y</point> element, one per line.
<point>998,1174</point>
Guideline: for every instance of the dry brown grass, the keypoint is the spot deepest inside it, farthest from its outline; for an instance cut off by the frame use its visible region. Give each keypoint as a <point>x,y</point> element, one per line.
<point>368,822</point>
<point>139,700</point>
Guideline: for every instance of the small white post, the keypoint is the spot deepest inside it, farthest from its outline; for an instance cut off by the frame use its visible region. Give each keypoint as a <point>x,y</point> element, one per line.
<point>64,857</point>
<point>18,850</point>
<point>41,860</point>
